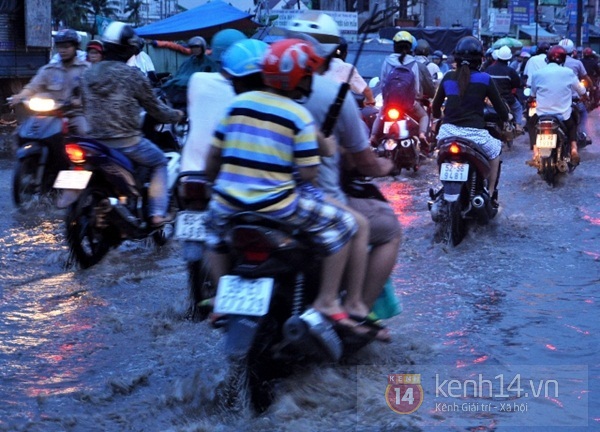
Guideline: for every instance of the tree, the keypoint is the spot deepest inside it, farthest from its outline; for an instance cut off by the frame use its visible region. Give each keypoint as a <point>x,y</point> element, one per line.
<point>69,14</point>
<point>134,7</point>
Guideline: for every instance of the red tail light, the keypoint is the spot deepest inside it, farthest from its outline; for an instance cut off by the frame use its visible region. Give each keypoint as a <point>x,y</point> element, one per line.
<point>254,246</point>
<point>533,104</point>
<point>454,148</point>
<point>393,114</point>
<point>75,153</point>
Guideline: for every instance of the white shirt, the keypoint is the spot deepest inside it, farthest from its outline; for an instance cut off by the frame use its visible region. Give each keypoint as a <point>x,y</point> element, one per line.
<point>535,63</point>
<point>142,61</point>
<point>209,95</point>
<point>552,86</point>
<point>339,71</point>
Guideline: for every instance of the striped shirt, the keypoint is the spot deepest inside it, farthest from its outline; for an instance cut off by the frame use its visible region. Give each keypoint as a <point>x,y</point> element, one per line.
<point>263,140</point>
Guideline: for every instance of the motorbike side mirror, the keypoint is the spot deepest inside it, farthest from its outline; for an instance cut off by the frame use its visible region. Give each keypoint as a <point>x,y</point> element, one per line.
<point>527,91</point>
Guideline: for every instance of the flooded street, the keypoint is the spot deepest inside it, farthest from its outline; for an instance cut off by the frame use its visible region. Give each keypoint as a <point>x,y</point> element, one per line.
<point>109,348</point>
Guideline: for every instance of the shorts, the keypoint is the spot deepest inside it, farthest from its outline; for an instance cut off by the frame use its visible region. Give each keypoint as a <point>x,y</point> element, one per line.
<point>329,227</point>
<point>383,223</point>
<point>489,145</point>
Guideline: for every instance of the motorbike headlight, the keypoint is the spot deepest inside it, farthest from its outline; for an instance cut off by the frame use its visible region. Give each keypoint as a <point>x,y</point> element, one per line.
<point>39,104</point>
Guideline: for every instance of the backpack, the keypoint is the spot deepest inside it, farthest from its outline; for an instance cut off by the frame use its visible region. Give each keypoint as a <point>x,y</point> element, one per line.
<point>399,88</point>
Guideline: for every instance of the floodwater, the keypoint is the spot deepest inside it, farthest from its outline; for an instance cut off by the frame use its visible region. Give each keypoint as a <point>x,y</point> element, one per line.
<point>109,348</point>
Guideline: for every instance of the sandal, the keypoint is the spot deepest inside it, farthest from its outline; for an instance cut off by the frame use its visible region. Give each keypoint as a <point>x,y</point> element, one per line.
<point>369,330</point>
<point>575,158</point>
<point>381,331</point>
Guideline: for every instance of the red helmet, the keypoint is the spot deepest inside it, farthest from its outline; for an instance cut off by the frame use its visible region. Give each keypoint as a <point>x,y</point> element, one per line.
<point>287,61</point>
<point>588,52</point>
<point>556,54</point>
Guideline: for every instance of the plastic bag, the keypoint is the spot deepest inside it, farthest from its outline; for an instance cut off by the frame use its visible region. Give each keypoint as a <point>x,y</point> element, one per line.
<point>387,304</point>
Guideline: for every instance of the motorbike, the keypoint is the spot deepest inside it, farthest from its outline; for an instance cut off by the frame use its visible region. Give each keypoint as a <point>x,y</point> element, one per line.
<point>504,131</point>
<point>463,198</point>
<point>40,151</point>
<point>554,148</point>
<point>107,198</point>
<point>264,298</point>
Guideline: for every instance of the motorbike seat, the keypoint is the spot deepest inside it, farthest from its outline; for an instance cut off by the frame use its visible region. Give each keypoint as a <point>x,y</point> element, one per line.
<point>114,154</point>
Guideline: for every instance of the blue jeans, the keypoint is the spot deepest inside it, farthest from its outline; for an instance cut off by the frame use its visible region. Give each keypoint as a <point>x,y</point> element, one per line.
<point>583,116</point>
<point>145,153</point>
<point>517,111</point>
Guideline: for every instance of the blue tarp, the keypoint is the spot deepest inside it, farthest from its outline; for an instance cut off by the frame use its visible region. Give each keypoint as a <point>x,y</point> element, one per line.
<point>203,21</point>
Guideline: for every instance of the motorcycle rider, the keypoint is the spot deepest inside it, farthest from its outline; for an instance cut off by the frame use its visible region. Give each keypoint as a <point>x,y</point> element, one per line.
<point>404,43</point>
<point>176,87</point>
<point>463,93</point>
<point>247,177</point>
<point>422,56</point>
<point>536,62</point>
<point>508,83</point>
<point>384,231</point>
<point>577,67</point>
<point>113,95</point>
<point>552,87</point>
<point>341,72</point>
<point>590,63</point>
<point>143,62</point>
<point>61,80</point>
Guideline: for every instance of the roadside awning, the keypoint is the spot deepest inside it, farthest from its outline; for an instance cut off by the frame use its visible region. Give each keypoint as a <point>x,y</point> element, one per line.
<point>203,20</point>
<point>528,32</point>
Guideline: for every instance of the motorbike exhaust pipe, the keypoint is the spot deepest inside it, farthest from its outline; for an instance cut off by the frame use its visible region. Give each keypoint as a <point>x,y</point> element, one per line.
<point>123,212</point>
<point>562,166</point>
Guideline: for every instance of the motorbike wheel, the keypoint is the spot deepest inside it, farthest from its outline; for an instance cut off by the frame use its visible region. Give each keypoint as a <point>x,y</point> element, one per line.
<point>456,226</point>
<point>24,179</point>
<point>547,170</point>
<point>201,288</point>
<point>88,242</point>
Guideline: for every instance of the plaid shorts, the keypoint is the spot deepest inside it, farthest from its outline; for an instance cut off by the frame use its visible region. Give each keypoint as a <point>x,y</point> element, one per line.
<point>487,143</point>
<point>329,227</point>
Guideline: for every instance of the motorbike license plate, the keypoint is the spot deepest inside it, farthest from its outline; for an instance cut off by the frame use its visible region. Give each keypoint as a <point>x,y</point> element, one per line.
<point>546,141</point>
<point>387,126</point>
<point>454,172</point>
<point>532,111</point>
<point>191,225</point>
<point>240,296</point>
<point>71,179</point>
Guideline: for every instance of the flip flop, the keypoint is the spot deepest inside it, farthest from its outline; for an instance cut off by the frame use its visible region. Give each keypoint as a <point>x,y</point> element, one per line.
<point>374,325</point>
<point>372,333</point>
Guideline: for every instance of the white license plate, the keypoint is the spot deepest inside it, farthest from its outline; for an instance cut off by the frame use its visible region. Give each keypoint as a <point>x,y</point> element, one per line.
<point>387,126</point>
<point>191,225</point>
<point>72,179</point>
<point>546,141</point>
<point>239,296</point>
<point>532,111</point>
<point>454,172</point>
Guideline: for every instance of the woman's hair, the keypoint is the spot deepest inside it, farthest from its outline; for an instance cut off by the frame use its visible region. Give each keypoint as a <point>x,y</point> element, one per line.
<point>463,72</point>
<point>468,54</point>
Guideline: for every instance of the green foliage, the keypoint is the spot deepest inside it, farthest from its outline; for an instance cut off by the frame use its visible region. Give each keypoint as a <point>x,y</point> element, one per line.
<point>134,8</point>
<point>81,14</point>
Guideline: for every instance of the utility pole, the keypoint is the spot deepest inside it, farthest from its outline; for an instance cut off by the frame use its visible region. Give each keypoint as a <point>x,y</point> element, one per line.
<point>537,17</point>
<point>579,26</point>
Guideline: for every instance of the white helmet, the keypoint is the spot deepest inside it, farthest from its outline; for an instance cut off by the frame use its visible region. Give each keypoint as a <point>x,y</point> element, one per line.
<point>320,26</point>
<point>568,45</point>
<point>504,53</point>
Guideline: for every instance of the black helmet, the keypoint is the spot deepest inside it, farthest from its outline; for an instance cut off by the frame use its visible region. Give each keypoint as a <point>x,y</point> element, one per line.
<point>542,48</point>
<point>556,54</point>
<point>342,49</point>
<point>422,48</point>
<point>469,50</point>
<point>120,41</point>
<point>67,36</point>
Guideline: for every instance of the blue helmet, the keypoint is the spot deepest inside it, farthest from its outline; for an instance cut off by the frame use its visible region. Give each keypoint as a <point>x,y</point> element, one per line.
<point>244,57</point>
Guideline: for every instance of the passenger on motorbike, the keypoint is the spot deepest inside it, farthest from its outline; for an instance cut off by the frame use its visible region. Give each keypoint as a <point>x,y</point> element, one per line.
<point>508,82</point>
<point>209,95</point>
<point>552,87</point>
<point>95,51</point>
<point>422,55</point>
<point>404,44</point>
<point>464,92</point>
<point>577,67</point>
<point>262,152</point>
<point>536,62</point>
<point>143,62</point>
<point>61,80</point>
<point>114,95</point>
<point>384,231</point>
<point>590,62</point>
